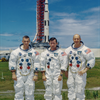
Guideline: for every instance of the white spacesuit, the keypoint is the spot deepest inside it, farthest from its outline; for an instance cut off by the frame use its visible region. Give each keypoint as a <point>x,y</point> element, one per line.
<point>52,63</point>
<point>79,59</point>
<point>25,62</point>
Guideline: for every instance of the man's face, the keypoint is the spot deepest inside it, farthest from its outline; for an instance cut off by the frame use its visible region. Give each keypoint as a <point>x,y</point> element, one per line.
<point>26,42</point>
<point>53,44</point>
<point>76,39</point>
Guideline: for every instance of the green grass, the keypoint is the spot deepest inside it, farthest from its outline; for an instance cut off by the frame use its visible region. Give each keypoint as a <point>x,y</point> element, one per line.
<point>93,80</point>
<point>93,76</point>
<point>89,96</point>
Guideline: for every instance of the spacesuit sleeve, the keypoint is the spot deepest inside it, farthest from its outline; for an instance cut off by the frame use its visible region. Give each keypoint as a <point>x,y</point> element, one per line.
<point>43,61</point>
<point>13,61</point>
<point>36,62</point>
<point>63,61</point>
<point>67,56</point>
<point>89,55</point>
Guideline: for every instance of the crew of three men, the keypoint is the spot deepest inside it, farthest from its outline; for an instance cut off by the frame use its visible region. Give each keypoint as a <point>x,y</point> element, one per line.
<point>25,63</point>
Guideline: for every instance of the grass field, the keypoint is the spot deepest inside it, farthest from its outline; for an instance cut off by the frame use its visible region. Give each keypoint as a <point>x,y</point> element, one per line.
<point>93,80</point>
<point>41,97</point>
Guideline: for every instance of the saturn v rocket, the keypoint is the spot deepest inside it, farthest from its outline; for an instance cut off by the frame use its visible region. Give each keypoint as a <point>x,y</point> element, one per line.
<point>46,22</point>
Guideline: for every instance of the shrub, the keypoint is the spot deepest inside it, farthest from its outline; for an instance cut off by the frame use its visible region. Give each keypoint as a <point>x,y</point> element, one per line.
<point>3,59</point>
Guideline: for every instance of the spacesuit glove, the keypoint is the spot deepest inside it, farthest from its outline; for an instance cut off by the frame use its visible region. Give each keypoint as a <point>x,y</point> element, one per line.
<point>59,78</point>
<point>14,77</point>
<point>35,78</point>
<point>83,71</point>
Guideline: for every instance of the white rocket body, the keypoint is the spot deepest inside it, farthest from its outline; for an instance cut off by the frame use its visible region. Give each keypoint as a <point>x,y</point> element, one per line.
<point>46,22</point>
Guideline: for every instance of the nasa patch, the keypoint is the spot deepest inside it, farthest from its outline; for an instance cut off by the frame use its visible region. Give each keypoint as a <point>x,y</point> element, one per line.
<point>30,54</point>
<point>70,52</point>
<point>20,53</point>
<point>55,54</point>
<point>79,52</point>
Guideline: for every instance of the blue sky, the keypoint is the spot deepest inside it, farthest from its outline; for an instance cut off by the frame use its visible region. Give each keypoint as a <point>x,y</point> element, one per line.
<point>67,17</point>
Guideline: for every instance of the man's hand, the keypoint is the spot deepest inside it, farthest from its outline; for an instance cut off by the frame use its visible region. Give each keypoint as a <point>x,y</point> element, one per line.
<point>61,75</point>
<point>44,78</point>
<point>83,71</point>
<point>14,77</point>
<point>59,78</point>
<point>35,78</point>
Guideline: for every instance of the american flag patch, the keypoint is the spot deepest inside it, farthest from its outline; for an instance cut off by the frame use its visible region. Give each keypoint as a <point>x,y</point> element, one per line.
<point>87,51</point>
<point>63,54</point>
<point>36,53</point>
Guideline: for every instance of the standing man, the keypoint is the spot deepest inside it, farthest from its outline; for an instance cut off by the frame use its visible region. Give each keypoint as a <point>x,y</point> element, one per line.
<point>80,58</point>
<point>52,68</point>
<point>24,65</point>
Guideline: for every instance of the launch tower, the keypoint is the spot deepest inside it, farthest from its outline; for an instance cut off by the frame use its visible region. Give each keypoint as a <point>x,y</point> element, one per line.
<point>42,25</point>
<point>40,20</point>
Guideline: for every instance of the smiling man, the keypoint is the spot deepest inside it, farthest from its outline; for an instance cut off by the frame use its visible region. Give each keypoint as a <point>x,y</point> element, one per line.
<point>80,58</point>
<point>52,68</point>
<point>24,65</point>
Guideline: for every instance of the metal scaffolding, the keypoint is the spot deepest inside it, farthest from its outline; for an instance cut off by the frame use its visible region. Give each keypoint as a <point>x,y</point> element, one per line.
<point>40,20</point>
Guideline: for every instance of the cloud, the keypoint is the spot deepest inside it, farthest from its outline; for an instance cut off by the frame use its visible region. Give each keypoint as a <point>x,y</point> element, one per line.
<point>14,40</point>
<point>8,48</point>
<point>65,25</point>
<point>64,14</point>
<point>60,15</point>
<point>72,26</point>
<point>6,34</point>
<point>95,9</point>
<point>69,24</point>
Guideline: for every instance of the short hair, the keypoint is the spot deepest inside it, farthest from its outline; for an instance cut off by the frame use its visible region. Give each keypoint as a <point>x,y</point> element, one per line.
<point>52,38</point>
<point>26,37</point>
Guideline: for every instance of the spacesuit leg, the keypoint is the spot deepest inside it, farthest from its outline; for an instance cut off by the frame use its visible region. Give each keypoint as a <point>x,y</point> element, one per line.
<point>19,89</point>
<point>80,83</point>
<point>57,87</point>
<point>48,88</point>
<point>71,86</point>
<point>29,88</point>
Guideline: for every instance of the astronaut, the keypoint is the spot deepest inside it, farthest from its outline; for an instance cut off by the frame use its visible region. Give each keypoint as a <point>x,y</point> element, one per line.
<point>80,59</point>
<point>24,65</point>
<point>52,68</point>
